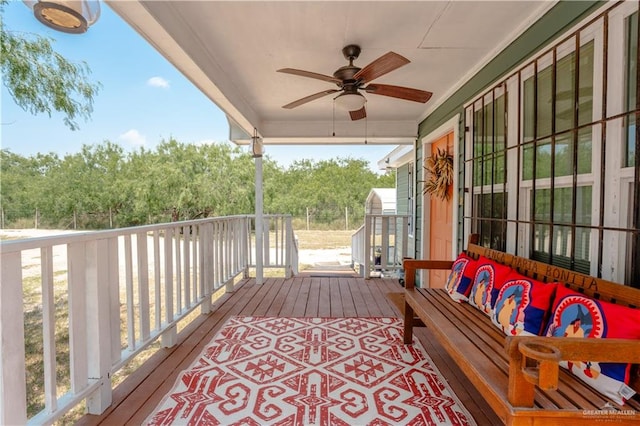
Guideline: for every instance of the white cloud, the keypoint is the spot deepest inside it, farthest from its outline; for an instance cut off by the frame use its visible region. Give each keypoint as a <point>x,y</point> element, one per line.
<point>158,82</point>
<point>133,137</point>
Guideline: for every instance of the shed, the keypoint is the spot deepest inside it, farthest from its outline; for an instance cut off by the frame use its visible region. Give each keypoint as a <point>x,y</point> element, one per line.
<point>381,201</point>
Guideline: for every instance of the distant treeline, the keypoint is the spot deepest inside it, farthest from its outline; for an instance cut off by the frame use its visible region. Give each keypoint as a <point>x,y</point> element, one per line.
<point>103,186</point>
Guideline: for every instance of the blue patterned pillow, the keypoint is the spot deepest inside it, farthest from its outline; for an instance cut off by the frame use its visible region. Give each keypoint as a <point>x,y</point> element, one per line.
<point>490,275</point>
<point>576,315</point>
<point>460,278</point>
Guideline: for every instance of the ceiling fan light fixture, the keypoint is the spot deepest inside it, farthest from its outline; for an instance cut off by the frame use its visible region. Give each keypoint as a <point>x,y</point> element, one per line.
<point>350,101</point>
<point>69,16</point>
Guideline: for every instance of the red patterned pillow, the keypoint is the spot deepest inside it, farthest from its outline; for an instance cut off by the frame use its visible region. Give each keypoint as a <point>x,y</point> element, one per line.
<point>460,279</point>
<point>576,315</point>
<point>522,304</point>
<point>489,275</point>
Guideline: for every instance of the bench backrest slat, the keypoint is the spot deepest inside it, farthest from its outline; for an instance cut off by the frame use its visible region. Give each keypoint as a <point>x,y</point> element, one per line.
<point>590,286</point>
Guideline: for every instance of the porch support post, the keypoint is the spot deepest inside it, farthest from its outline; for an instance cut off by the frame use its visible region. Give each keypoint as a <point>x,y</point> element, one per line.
<point>99,282</point>
<point>256,147</point>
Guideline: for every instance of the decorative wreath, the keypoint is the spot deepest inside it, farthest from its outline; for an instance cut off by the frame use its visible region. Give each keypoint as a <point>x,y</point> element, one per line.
<point>439,169</point>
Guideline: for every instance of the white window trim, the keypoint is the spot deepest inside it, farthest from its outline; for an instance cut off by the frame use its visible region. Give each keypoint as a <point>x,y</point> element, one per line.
<point>616,199</point>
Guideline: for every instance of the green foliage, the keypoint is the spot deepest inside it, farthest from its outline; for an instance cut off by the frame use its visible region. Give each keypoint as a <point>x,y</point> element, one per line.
<point>40,80</point>
<point>102,186</point>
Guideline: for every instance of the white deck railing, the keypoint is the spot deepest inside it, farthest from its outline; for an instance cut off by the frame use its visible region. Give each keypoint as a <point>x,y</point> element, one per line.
<point>380,244</point>
<point>114,292</point>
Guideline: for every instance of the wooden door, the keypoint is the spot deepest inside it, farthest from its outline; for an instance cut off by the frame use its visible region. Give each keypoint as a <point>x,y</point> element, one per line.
<point>441,221</point>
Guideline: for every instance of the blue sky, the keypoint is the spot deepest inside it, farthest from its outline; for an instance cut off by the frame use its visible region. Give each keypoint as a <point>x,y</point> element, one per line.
<point>143,99</point>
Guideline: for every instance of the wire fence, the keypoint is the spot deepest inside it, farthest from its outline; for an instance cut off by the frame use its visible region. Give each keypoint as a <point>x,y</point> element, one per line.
<point>311,218</point>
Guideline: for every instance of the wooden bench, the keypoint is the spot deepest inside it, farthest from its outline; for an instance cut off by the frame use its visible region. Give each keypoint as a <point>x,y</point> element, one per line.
<point>495,363</point>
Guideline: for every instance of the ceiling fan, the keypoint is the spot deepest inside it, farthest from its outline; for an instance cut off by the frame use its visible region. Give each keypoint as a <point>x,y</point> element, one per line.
<point>351,79</point>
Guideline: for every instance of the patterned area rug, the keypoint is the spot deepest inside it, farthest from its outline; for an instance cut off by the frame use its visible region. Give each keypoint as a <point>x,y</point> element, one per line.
<point>311,371</point>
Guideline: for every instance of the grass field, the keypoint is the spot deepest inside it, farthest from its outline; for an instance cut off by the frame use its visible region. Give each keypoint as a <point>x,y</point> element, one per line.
<point>315,240</point>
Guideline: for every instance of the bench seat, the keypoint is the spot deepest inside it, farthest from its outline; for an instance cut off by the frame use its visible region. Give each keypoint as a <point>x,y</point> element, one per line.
<point>492,361</point>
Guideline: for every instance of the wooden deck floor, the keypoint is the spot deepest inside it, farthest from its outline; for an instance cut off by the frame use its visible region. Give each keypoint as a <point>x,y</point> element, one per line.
<point>303,296</point>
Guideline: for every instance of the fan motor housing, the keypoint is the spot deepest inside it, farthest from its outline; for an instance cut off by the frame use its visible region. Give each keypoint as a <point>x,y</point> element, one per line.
<point>346,73</point>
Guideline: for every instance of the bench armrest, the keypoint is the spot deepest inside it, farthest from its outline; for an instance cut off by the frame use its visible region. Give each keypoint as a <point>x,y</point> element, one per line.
<point>412,265</point>
<point>575,349</point>
<point>546,352</point>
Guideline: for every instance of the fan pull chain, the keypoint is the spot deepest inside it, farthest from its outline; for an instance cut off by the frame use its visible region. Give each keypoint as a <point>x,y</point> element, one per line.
<point>366,120</point>
<point>333,122</point>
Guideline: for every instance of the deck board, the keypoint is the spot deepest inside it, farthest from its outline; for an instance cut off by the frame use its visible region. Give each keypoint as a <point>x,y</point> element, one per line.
<point>324,303</point>
<point>335,298</point>
<point>348,306</point>
<point>300,305</point>
<point>314,299</point>
<point>310,296</point>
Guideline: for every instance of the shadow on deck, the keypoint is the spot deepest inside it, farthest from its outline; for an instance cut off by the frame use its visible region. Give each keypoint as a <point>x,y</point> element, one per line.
<point>332,295</point>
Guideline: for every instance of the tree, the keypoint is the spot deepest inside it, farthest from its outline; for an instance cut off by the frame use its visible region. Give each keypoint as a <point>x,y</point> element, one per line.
<point>40,80</point>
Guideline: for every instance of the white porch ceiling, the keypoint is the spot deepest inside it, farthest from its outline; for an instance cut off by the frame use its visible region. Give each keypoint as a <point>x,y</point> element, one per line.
<point>231,50</point>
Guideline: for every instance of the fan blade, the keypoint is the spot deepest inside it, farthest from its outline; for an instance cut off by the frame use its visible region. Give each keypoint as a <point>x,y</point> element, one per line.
<point>381,66</point>
<point>358,114</point>
<point>309,98</point>
<point>399,92</point>
<point>303,73</point>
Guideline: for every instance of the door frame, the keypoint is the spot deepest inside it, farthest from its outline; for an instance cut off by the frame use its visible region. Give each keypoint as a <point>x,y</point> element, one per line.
<point>450,126</point>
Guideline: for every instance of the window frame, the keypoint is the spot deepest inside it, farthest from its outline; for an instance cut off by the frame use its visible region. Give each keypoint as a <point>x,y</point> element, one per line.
<point>612,210</point>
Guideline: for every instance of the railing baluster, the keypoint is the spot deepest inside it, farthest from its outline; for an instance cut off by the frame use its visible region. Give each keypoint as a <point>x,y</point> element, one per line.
<point>168,338</point>
<point>156,278</point>
<point>178,288</point>
<point>265,251</point>
<point>228,256</point>
<point>186,259</point>
<point>195,282</point>
<point>48,330</point>
<point>114,299</point>
<point>204,239</point>
<point>128,266</point>
<point>220,253</point>
<point>143,285</point>
<point>384,256</point>
<point>405,238</point>
<point>237,232</point>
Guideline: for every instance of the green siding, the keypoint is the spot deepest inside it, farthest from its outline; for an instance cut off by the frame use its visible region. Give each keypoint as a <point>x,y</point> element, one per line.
<point>402,198</point>
<point>402,189</point>
<point>556,21</point>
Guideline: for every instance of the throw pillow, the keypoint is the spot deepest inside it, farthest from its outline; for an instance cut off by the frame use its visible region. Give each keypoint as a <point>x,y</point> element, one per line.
<point>489,275</point>
<point>460,278</point>
<point>522,305</point>
<point>576,315</point>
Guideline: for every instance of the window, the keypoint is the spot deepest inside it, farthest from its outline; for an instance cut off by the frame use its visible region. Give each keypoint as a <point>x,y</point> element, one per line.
<point>560,238</point>
<point>558,144</point>
<point>551,152</point>
<point>488,164</point>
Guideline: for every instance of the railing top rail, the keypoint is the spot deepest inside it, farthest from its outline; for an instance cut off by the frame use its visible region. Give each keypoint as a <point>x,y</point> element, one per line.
<point>12,246</point>
<point>358,230</point>
<point>387,215</point>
